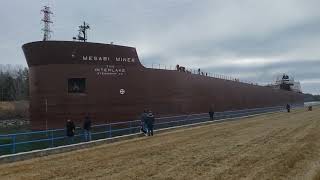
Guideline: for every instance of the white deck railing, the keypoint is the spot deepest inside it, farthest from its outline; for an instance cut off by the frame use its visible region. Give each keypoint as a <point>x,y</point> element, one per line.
<point>194,71</point>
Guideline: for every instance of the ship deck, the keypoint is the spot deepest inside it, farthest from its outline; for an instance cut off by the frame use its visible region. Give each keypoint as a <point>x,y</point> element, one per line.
<point>273,146</point>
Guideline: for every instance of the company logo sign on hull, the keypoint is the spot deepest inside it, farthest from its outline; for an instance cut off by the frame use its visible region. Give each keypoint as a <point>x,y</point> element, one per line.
<point>110,70</point>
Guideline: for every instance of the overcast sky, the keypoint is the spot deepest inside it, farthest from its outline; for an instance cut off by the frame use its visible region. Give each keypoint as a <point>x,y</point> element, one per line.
<point>253,40</point>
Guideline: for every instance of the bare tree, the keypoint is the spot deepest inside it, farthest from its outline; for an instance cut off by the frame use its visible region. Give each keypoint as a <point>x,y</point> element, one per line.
<point>14,82</point>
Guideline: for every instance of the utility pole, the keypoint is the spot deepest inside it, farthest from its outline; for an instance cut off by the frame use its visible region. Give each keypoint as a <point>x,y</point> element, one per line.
<point>47,21</point>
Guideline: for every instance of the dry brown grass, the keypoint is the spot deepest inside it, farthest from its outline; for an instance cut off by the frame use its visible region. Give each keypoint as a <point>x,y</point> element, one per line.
<point>14,109</point>
<point>274,146</point>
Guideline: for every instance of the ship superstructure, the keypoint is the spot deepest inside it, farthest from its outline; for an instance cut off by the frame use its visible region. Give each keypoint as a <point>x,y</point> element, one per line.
<point>286,82</point>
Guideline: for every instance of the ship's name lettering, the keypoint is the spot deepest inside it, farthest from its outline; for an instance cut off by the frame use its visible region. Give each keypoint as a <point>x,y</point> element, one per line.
<point>105,58</point>
<point>122,59</point>
<point>95,58</point>
<point>110,70</point>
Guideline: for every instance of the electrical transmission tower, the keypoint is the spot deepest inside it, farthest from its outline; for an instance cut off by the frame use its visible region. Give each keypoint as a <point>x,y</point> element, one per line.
<point>82,36</point>
<point>47,21</point>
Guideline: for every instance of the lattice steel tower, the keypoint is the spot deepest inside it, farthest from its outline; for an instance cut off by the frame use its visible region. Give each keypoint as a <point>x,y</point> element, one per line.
<point>46,21</point>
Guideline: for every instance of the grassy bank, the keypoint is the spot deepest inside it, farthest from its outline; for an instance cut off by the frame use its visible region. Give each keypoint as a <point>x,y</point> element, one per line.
<point>272,146</point>
<point>14,109</point>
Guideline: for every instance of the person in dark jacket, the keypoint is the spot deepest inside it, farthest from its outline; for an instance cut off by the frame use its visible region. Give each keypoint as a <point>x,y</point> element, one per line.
<point>87,128</point>
<point>150,123</point>
<point>288,108</point>
<point>211,113</point>
<point>70,130</point>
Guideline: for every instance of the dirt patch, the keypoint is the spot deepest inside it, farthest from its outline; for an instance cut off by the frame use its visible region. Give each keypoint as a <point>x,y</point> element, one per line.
<point>274,146</point>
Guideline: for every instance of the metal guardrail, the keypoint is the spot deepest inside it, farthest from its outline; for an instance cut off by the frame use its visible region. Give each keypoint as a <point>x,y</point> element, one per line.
<point>28,141</point>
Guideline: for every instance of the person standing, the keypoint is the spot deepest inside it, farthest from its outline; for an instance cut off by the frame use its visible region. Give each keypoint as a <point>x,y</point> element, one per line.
<point>288,108</point>
<point>87,128</point>
<point>143,122</point>
<point>150,123</point>
<point>211,113</point>
<point>70,128</point>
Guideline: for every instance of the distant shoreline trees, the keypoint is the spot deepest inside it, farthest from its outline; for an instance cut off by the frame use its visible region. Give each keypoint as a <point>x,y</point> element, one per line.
<point>14,82</point>
<point>310,97</point>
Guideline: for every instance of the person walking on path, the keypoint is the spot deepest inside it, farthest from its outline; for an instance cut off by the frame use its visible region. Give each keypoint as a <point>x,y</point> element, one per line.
<point>70,130</point>
<point>150,123</point>
<point>87,128</point>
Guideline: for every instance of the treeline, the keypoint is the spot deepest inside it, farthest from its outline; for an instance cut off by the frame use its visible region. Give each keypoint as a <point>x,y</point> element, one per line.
<point>14,83</point>
<point>310,97</point>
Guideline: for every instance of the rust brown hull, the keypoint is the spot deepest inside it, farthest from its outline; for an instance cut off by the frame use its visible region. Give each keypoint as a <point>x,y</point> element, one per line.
<point>110,68</point>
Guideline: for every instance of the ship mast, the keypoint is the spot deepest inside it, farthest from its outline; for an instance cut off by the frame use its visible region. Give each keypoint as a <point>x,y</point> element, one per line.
<point>82,36</point>
<point>47,21</point>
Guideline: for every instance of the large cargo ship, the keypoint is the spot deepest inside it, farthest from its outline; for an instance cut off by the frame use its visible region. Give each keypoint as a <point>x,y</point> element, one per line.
<point>69,79</point>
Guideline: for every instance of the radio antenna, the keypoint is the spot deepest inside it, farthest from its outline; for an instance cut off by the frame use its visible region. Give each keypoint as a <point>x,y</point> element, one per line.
<point>46,21</point>
<point>82,36</point>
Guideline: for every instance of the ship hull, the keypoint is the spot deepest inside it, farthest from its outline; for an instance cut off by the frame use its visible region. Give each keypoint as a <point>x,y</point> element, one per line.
<point>118,87</point>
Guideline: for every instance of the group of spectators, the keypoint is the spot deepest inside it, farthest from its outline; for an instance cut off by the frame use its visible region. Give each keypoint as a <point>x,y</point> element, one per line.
<point>183,69</point>
<point>147,123</point>
<point>71,128</point>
